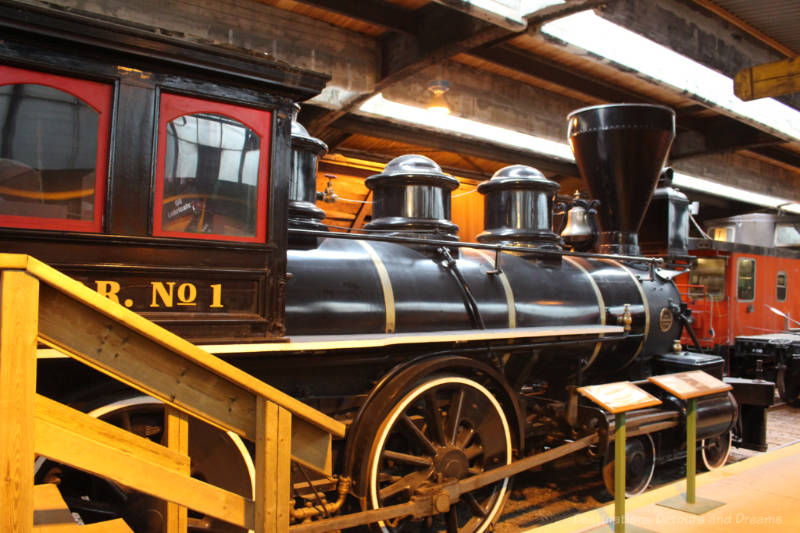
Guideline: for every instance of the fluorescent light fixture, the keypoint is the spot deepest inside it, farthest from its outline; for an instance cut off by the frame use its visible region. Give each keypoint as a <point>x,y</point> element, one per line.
<point>624,47</point>
<point>449,124</point>
<point>505,13</point>
<point>717,189</point>
<point>527,7</point>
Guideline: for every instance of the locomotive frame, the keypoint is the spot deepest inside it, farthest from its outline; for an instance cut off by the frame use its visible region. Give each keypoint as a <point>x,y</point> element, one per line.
<point>469,401</point>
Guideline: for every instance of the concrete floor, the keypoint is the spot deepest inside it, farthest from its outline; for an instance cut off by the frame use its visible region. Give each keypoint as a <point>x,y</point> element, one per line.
<point>761,493</point>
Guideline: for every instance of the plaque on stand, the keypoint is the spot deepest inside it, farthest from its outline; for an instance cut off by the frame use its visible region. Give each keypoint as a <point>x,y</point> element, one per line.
<point>619,398</point>
<point>689,386</point>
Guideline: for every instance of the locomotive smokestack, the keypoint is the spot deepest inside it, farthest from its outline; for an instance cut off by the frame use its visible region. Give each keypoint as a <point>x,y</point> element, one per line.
<point>620,150</point>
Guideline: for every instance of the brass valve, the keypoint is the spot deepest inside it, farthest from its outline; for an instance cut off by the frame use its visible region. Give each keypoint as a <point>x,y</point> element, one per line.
<point>625,319</point>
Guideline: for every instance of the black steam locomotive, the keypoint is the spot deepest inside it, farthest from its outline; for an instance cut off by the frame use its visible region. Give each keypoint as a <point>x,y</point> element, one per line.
<point>170,177</point>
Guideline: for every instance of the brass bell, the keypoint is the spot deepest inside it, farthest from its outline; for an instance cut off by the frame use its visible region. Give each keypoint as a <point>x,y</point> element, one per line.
<point>578,230</point>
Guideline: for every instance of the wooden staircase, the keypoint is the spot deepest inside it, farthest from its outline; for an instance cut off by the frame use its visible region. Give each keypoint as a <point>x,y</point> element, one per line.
<point>51,515</point>
<point>39,305</point>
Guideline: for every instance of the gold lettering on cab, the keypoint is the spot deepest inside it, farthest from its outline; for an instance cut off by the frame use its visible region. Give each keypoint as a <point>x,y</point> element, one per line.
<point>165,294</point>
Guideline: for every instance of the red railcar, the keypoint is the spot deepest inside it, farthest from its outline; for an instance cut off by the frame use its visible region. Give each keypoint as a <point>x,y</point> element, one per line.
<point>745,285</point>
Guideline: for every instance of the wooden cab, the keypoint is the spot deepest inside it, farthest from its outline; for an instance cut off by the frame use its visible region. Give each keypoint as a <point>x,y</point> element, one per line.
<point>150,168</point>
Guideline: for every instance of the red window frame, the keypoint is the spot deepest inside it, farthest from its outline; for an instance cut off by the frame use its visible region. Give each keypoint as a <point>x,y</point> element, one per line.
<point>96,95</point>
<point>173,106</point>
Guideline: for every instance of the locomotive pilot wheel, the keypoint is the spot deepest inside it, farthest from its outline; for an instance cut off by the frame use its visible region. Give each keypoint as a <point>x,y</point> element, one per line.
<point>443,429</point>
<point>714,451</point>
<point>640,463</point>
<point>217,457</point>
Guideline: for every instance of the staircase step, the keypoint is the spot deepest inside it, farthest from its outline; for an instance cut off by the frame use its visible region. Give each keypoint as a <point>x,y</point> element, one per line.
<point>51,515</point>
<point>49,507</point>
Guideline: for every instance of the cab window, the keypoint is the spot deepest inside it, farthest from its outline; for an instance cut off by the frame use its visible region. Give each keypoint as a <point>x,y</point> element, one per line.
<point>724,233</point>
<point>707,277</point>
<point>746,280</point>
<point>780,284</point>
<point>213,161</point>
<point>54,133</point>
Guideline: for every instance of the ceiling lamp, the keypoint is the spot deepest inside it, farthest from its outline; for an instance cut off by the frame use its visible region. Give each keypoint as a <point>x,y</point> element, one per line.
<point>437,104</point>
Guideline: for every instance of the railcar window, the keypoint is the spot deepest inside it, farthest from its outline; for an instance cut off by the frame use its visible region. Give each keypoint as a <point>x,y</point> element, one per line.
<point>53,150</point>
<point>212,175</point>
<point>725,233</point>
<point>780,284</point>
<point>746,276</point>
<point>708,278</point>
<point>787,235</point>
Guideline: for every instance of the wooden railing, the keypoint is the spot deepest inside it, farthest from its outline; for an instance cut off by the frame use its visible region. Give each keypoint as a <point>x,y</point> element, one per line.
<point>40,305</point>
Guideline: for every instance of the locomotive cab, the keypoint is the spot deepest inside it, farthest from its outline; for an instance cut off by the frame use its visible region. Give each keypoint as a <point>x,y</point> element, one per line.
<point>153,172</point>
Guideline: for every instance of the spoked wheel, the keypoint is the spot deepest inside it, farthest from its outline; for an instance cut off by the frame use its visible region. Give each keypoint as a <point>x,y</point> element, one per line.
<point>788,387</point>
<point>217,457</point>
<point>714,451</point>
<point>445,428</point>
<point>640,463</point>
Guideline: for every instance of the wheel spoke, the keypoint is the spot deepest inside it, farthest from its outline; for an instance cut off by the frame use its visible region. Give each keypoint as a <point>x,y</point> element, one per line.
<point>407,458</point>
<point>434,418</point>
<point>454,414</point>
<point>464,437</point>
<point>412,429</point>
<point>473,451</point>
<point>452,520</point>
<point>406,483</point>
<point>474,506</point>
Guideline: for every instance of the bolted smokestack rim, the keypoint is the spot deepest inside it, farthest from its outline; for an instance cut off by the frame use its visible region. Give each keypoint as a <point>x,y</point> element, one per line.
<point>620,116</point>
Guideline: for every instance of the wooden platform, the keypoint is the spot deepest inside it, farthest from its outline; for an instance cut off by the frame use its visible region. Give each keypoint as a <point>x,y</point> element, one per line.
<point>761,493</point>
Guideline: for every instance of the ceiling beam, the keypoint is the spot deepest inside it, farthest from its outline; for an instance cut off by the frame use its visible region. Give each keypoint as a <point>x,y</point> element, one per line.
<point>520,61</point>
<point>451,142</point>
<point>387,16</point>
<point>768,79</point>
<point>709,135</point>
<point>439,33</point>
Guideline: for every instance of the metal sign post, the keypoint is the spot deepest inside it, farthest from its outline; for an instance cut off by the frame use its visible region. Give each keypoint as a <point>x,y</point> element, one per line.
<point>619,398</point>
<point>689,386</point>
<point>619,473</point>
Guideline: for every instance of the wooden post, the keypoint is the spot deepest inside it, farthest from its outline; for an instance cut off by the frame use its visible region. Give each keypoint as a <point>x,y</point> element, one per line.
<point>273,467</point>
<point>19,312</point>
<point>177,429</point>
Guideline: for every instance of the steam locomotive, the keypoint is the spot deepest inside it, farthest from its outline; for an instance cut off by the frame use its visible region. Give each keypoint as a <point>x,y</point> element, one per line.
<point>170,177</point>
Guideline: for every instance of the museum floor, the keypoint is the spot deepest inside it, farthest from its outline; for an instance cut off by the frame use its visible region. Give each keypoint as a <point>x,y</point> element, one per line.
<point>761,493</point>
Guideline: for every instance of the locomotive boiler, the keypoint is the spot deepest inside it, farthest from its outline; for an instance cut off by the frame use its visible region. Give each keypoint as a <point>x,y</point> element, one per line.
<point>454,365</point>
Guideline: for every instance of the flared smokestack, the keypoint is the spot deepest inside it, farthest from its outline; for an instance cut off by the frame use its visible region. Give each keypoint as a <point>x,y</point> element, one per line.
<point>620,150</point>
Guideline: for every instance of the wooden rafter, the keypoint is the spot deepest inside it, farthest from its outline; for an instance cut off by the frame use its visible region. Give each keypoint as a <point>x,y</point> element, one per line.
<point>769,79</point>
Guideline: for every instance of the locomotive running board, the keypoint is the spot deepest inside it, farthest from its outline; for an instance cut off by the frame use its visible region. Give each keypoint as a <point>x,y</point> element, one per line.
<point>315,343</point>
<point>381,340</point>
<point>439,498</point>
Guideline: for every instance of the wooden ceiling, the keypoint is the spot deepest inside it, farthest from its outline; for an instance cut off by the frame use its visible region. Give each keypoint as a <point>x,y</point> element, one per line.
<point>415,34</point>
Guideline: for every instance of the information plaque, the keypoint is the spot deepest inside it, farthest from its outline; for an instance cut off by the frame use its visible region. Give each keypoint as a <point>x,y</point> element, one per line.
<point>619,397</point>
<point>692,384</point>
